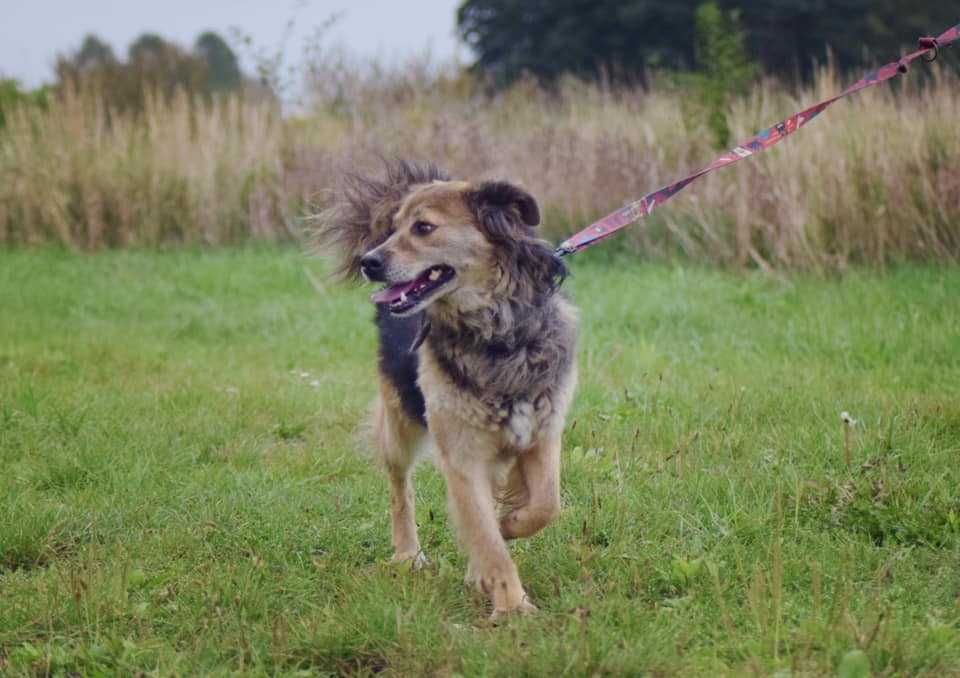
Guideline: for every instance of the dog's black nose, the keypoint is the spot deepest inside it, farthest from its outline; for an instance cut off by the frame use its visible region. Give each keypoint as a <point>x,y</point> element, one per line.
<point>372,267</point>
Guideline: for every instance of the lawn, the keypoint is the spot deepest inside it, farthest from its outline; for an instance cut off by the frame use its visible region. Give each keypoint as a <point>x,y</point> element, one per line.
<point>181,492</point>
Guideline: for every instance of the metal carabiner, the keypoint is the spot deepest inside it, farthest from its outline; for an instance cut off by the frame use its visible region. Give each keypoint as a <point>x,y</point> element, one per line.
<point>930,44</point>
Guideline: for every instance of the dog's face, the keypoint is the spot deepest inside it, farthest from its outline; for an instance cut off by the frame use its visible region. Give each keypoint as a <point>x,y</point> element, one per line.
<point>450,239</point>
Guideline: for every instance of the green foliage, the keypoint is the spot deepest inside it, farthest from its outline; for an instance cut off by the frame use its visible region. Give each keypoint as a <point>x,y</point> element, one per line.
<point>789,37</point>
<point>548,38</point>
<point>93,54</point>
<point>622,39</point>
<point>149,47</point>
<point>154,66</point>
<point>855,664</point>
<point>223,69</point>
<point>724,70</point>
<point>181,493</point>
<point>12,96</point>
<point>684,573</point>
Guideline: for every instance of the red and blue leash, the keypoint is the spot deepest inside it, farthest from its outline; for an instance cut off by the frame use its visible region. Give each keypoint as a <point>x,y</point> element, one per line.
<point>929,49</point>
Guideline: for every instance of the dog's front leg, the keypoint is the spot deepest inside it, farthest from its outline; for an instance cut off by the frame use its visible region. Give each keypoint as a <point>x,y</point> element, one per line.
<point>538,474</point>
<point>397,438</point>
<point>467,459</point>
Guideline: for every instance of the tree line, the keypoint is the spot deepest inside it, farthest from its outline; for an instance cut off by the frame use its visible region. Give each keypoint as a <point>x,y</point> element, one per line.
<point>152,65</point>
<point>627,39</point>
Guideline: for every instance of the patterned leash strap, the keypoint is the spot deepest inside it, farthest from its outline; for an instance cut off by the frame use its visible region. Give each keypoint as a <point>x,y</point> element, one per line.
<point>929,49</point>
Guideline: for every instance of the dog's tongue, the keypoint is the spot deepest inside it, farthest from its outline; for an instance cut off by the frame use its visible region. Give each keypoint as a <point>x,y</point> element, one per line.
<point>388,295</point>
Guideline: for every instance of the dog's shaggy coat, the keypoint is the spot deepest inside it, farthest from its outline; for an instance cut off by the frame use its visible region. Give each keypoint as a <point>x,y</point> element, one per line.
<point>476,346</point>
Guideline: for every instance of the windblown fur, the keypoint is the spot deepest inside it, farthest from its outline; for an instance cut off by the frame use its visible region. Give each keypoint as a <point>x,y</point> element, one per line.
<point>360,215</point>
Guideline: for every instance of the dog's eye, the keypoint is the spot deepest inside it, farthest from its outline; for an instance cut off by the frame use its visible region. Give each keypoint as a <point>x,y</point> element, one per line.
<point>423,228</point>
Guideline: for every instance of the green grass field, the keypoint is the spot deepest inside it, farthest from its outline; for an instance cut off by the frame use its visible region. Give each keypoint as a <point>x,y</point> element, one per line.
<point>180,492</point>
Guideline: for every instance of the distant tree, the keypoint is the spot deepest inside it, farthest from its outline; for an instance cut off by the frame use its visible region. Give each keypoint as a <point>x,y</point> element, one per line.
<point>94,62</point>
<point>94,53</point>
<point>788,36</point>
<point>223,69</point>
<point>159,65</point>
<point>148,47</point>
<point>723,67</point>
<point>589,38</point>
<point>154,66</point>
<point>623,39</point>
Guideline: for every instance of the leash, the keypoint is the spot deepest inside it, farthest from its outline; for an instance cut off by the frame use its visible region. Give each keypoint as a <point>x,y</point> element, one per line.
<point>929,49</point>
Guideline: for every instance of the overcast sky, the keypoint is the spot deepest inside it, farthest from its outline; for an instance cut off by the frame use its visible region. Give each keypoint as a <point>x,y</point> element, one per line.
<point>32,32</point>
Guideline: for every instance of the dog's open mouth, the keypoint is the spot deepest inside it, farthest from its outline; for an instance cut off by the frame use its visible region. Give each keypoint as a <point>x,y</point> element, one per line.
<point>405,296</point>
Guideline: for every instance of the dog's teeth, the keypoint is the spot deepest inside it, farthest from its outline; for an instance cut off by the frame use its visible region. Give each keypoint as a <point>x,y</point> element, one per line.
<point>403,297</point>
<point>434,274</point>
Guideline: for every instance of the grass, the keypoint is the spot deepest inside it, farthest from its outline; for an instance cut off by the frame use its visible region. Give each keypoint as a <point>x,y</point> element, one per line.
<point>180,493</point>
<point>876,180</point>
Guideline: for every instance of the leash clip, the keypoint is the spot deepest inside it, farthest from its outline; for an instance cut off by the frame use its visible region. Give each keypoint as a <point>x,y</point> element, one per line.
<point>930,44</point>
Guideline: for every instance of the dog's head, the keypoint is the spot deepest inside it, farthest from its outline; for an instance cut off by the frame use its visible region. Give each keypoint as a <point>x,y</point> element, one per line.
<point>462,244</point>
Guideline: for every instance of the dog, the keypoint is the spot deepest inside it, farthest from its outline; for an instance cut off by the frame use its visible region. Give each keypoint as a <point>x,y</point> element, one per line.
<point>476,355</point>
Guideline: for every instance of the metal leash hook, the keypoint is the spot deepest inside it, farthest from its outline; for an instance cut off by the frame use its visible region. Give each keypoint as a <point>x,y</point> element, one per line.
<point>930,44</point>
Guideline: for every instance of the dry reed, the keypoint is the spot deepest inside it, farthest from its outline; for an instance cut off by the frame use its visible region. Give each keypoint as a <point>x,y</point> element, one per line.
<point>875,180</point>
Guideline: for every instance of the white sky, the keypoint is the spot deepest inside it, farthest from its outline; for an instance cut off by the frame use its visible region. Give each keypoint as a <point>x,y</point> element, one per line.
<point>32,32</point>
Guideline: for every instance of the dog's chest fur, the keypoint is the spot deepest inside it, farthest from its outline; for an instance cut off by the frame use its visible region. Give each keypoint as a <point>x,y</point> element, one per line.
<point>517,382</point>
<point>510,372</point>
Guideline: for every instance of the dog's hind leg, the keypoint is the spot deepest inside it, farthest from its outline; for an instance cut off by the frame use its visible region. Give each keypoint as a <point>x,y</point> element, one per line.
<point>397,438</point>
<point>536,478</point>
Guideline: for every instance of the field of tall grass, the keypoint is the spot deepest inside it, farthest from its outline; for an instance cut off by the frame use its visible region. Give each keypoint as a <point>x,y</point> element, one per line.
<point>876,180</point>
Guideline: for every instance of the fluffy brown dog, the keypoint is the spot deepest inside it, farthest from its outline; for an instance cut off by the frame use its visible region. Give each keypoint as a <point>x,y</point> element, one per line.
<point>476,347</point>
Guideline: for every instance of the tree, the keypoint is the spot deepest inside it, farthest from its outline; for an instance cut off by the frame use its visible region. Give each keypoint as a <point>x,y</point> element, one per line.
<point>94,53</point>
<point>589,38</point>
<point>223,70</point>
<point>723,67</point>
<point>625,38</point>
<point>149,47</point>
<point>154,66</point>
<point>788,36</point>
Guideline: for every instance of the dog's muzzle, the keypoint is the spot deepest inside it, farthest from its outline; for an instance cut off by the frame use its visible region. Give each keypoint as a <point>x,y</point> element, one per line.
<point>373,267</point>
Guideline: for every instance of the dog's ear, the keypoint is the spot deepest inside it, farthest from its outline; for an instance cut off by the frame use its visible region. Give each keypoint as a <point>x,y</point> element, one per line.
<point>506,215</point>
<point>501,206</point>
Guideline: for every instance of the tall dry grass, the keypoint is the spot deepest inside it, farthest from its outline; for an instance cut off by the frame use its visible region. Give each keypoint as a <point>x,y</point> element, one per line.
<point>180,172</point>
<point>876,179</point>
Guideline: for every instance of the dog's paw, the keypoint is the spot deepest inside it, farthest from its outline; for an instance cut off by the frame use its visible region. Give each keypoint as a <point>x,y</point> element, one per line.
<point>416,561</point>
<point>523,609</point>
<point>472,580</point>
